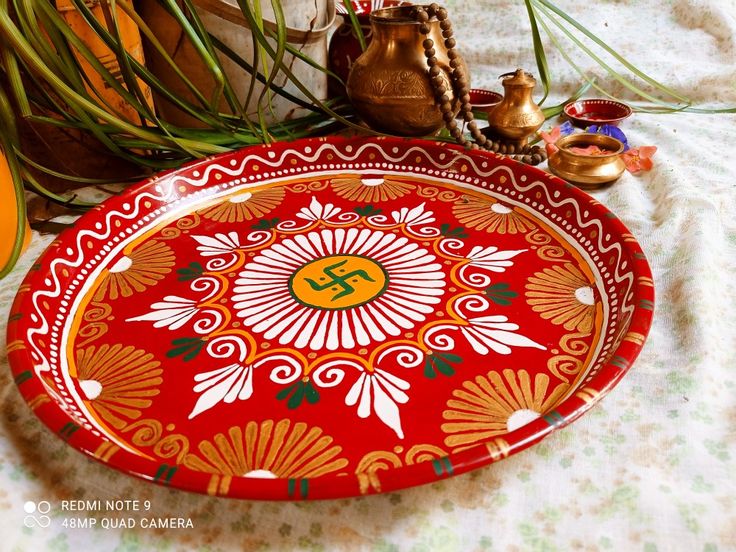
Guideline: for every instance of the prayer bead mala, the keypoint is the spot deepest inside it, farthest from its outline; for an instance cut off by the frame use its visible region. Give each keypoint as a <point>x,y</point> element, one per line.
<point>531,155</point>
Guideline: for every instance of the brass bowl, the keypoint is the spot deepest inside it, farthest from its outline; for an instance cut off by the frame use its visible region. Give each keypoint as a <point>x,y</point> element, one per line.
<point>588,171</point>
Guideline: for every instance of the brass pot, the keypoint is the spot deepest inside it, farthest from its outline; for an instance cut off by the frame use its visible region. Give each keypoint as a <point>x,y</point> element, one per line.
<point>517,116</point>
<point>588,171</point>
<point>389,84</point>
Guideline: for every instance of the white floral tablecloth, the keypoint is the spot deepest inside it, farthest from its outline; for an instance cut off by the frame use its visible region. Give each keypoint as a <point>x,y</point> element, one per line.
<point>652,468</point>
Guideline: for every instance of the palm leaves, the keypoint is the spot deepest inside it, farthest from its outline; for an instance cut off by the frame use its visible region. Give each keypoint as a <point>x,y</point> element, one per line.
<point>564,31</point>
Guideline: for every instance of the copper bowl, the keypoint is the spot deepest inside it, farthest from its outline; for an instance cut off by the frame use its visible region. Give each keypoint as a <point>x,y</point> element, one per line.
<point>588,171</point>
<point>484,100</point>
<point>584,113</point>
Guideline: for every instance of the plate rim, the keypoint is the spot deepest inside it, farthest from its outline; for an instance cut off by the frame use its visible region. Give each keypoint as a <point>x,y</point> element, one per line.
<point>333,486</point>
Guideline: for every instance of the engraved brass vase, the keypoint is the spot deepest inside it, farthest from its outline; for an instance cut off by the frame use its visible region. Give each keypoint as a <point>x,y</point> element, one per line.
<point>517,116</point>
<point>389,84</point>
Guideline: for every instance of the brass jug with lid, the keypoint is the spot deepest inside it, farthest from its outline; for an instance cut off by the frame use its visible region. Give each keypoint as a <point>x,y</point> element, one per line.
<point>389,84</point>
<point>517,116</point>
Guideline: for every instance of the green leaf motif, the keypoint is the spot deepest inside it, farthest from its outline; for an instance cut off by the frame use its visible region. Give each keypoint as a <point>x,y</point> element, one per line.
<point>296,393</point>
<point>442,363</point>
<point>500,294</point>
<point>189,347</point>
<point>191,272</point>
<point>367,211</point>
<point>458,232</point>
<point>265,224</point>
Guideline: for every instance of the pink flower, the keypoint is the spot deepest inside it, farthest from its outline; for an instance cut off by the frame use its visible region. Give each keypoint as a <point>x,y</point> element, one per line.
<point>588,150</point>
<point>639,159</point>
<point>550,138</point>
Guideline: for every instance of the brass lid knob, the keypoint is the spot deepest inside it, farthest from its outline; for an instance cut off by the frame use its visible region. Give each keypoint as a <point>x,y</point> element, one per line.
<point>518,78</point>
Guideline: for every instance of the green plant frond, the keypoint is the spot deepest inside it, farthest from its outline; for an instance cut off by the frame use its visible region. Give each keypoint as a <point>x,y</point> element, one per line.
<point>71,177</point>
<point>230,96</point>
<point>70,202</point>
<point>123,59</point>
<point>261,52</point>
<point>257,13</point>
<point>357,29</point>
<point>657,105</point>
<point>659,86</point>
<point>79,102</point>
<point>206,56</point>
<point>555,110</point>
<point>15,82</point>
<point>29,25</point>
<point>8,139</point>
<point>238,60</point>
<point>203,112</point>
<point>539,53</point>
<point>281,42</point>
<point>146,32</point>
<point>611,72</point>
<point>259,36</point>
<point>70,38</point>
<point>297,53</point>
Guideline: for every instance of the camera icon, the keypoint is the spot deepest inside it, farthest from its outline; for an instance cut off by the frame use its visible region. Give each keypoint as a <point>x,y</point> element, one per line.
<point>36,514</point>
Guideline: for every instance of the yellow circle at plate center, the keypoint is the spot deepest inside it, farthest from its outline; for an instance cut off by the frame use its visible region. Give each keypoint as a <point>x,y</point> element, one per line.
<point>338,282</point>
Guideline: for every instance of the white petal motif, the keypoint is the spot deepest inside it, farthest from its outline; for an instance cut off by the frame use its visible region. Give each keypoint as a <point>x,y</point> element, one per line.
<point>317,211</point>
<point>491,258</point>
<point>173,312</point>
<point>379,392</point>
<point>233,382</point>
<point>495,333</point>
<point>414,216</point>
<point>218,244</point>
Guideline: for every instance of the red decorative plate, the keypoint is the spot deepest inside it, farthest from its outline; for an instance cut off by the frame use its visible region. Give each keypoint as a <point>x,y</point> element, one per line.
<point>328,318</point>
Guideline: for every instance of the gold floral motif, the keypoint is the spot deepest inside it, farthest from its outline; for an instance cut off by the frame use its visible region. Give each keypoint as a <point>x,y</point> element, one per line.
<point>564,366</point>
<point>370,465</point>
<point>272,449</point>
<point>430,192</point>
<point>551,253</point>
<point>588,394</point>
<point>219,485</point>
<point>491,216</point>
<point>38,401</point>
<point>17,345</point>
<point>370,190</point>
<point>105,451</point>
<point>563,295</point>
<point>245,206</point>
<point>375,461</point>
<point>95,325</point>
<point>498,449</point>
<point>118,381</point>
<point>183,224</point>
<point>136,271</point>
<point>423,453</point>
<point>146,432</point>
<point>306,187</point>
<point>571,362</point>
<point>538,237</point>
<point>493,405</point>
<point>635,338</point>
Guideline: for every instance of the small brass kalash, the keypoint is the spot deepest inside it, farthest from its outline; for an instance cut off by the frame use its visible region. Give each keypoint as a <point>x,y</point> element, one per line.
<point>389,85</point>
<point>517,117</point>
